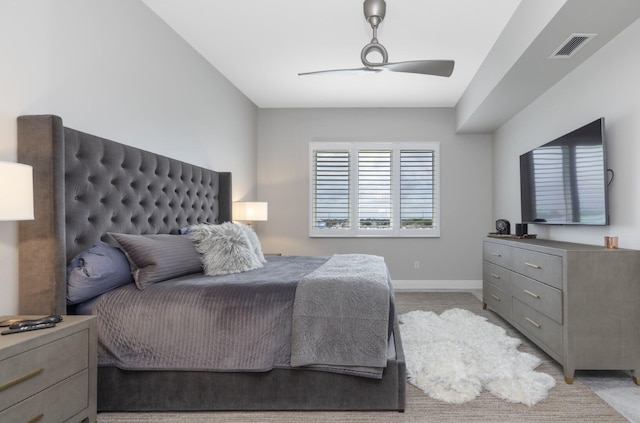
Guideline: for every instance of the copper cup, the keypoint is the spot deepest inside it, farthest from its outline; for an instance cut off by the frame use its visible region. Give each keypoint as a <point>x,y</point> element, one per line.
<point>611,242</point>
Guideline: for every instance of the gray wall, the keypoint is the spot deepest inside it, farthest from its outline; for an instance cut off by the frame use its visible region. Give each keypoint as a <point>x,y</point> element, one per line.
<point>606,85</point>
<point>283,181</point>
<point>114,69</point>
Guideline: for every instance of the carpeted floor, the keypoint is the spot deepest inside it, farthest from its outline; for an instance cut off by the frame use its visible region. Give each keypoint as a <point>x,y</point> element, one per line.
<point>566,403</point>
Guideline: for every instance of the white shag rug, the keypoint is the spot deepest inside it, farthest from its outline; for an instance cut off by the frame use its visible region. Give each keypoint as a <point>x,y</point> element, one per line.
<point>454,356</point>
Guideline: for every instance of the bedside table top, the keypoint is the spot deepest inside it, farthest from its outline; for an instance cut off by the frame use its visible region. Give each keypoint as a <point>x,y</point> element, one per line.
<point>14,343</point>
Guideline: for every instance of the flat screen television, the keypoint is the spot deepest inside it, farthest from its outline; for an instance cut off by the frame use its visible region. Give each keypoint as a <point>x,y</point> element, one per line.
<point>564,182</point>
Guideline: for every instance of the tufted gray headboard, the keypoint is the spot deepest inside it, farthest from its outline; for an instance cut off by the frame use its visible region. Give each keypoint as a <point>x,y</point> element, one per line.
<point>86,186</point>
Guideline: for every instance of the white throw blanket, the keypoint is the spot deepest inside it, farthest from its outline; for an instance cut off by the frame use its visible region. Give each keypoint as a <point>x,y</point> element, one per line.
<point>341,315</point>
<point>452,357</point>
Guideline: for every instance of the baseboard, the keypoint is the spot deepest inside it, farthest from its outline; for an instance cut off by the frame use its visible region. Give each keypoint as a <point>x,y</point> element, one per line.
<point>418,285</point>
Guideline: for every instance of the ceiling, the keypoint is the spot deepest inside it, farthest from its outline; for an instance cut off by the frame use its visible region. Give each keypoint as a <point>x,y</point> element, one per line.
<point>500,47</point>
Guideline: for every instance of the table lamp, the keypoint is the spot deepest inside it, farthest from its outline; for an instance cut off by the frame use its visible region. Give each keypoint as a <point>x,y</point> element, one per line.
<point>250,211</point>
<point>16,191</point>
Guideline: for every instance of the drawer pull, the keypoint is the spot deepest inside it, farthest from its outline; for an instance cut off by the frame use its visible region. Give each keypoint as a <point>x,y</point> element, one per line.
<point>533,323</point>
<point>533,294</point>
<point>495,297</point>
<point>36,418</point>
<point>20,379</point>
<point>496,254</point>
<point>495,276</point>
<point>535,266</point>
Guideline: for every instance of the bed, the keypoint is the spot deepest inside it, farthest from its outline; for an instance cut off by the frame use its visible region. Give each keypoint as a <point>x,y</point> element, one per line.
<point>88,188</point>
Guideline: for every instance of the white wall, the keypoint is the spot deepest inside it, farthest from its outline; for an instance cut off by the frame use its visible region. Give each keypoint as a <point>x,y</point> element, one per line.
<point>606,85</point>
<point>112,68</point>
<point>283,181</point>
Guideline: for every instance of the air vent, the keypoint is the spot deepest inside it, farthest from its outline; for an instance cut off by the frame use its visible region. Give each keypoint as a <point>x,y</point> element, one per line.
<point>574,43</point>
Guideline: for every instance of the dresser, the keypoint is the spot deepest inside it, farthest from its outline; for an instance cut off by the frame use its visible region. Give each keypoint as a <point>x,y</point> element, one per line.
<point>579,303</point>
<point>49,375</point>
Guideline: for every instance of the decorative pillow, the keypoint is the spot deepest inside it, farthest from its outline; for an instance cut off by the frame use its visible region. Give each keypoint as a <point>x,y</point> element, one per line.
<point>224,249</point>
<point>254,241</point>
<point>156,258</point>
<point>95,271</point>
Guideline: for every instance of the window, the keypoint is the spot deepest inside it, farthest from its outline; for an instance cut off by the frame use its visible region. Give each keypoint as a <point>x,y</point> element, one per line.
<point>374,189</point>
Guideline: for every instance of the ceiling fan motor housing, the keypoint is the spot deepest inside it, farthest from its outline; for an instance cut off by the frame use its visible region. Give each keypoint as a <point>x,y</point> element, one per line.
<point>374,11</point>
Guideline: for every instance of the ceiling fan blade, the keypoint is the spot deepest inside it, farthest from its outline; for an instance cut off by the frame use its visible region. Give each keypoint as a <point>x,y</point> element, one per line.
<point>426,67</point>
<point>356,71</point>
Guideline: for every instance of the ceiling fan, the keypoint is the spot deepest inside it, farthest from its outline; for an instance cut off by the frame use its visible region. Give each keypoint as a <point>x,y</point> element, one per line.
<point>374,11</point>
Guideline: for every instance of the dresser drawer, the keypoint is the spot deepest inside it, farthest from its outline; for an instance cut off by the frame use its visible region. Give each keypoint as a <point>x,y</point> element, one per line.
<point>58,403</point>
<point>497,253</point>
<point>542,297</point>
<point>542,267</point>
<point>496,299</point>
<point>32,371</point>
<point>497,275</point>
<point>535,324</point>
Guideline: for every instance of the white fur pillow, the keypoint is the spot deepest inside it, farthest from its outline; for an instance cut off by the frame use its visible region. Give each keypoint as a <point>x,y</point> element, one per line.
<point>224,249</point>
<point>254,241</point>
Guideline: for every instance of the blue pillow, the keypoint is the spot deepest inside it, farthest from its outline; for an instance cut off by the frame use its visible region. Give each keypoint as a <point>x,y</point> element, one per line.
<point>96,271</point>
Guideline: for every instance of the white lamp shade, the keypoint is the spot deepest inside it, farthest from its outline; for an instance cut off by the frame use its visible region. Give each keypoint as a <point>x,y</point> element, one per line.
<point>16,191</point>
<point>250,211</point>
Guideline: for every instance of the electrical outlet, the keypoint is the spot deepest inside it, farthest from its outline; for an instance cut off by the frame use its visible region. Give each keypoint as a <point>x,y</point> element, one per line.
<point>416,264</point>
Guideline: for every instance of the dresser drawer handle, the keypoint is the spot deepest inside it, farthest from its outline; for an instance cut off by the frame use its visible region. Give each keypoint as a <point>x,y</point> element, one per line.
<point>493,275</point>
<point>533,294</point>
<point>495,297</point>
<point>535,266</point>
<point>496,254</point>
<point>36,418</point>
<point>533,323</point>
<point>20,379</point>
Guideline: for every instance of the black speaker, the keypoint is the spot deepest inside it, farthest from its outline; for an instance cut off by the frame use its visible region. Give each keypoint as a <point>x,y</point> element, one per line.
<point>521,229</point>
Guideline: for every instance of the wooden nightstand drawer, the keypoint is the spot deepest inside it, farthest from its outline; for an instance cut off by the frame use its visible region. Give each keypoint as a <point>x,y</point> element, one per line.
<point>58,403</point>
<point>32,371</point>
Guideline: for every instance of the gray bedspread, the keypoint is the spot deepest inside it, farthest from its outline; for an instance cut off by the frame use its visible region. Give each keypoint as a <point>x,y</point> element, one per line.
<point>341,315</point>
<point>231,323</point>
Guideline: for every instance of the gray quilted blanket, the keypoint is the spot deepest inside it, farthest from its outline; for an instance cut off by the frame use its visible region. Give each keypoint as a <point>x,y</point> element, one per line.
<point>230,323</point>
<point>341,315</point>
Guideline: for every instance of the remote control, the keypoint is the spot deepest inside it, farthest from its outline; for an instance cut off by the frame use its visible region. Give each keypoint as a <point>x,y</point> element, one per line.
<point>54,318</point>
<point>28,328</point>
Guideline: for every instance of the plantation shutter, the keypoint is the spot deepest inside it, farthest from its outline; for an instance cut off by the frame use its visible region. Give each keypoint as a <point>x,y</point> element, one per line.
<point>375,203</point>
<point>417,189</point>
<point>374,189</point>
<point>331,189</point>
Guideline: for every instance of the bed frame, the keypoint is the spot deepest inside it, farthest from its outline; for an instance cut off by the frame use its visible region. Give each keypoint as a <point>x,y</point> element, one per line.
<point>86,186</point>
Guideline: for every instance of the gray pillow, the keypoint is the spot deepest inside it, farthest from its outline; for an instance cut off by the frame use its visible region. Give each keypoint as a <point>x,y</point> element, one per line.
<point>95,271</point>
<point>224,249</point>
<point>156,258</point>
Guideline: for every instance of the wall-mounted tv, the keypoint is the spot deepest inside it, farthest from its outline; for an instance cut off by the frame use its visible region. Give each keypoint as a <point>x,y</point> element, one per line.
<point>564,182</point>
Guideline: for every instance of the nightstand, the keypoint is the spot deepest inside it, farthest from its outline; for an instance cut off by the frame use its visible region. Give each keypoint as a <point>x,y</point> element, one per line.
<point>49,375</point>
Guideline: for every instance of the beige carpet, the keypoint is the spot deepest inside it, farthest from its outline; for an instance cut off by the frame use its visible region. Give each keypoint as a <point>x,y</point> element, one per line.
<point>566,403</point>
